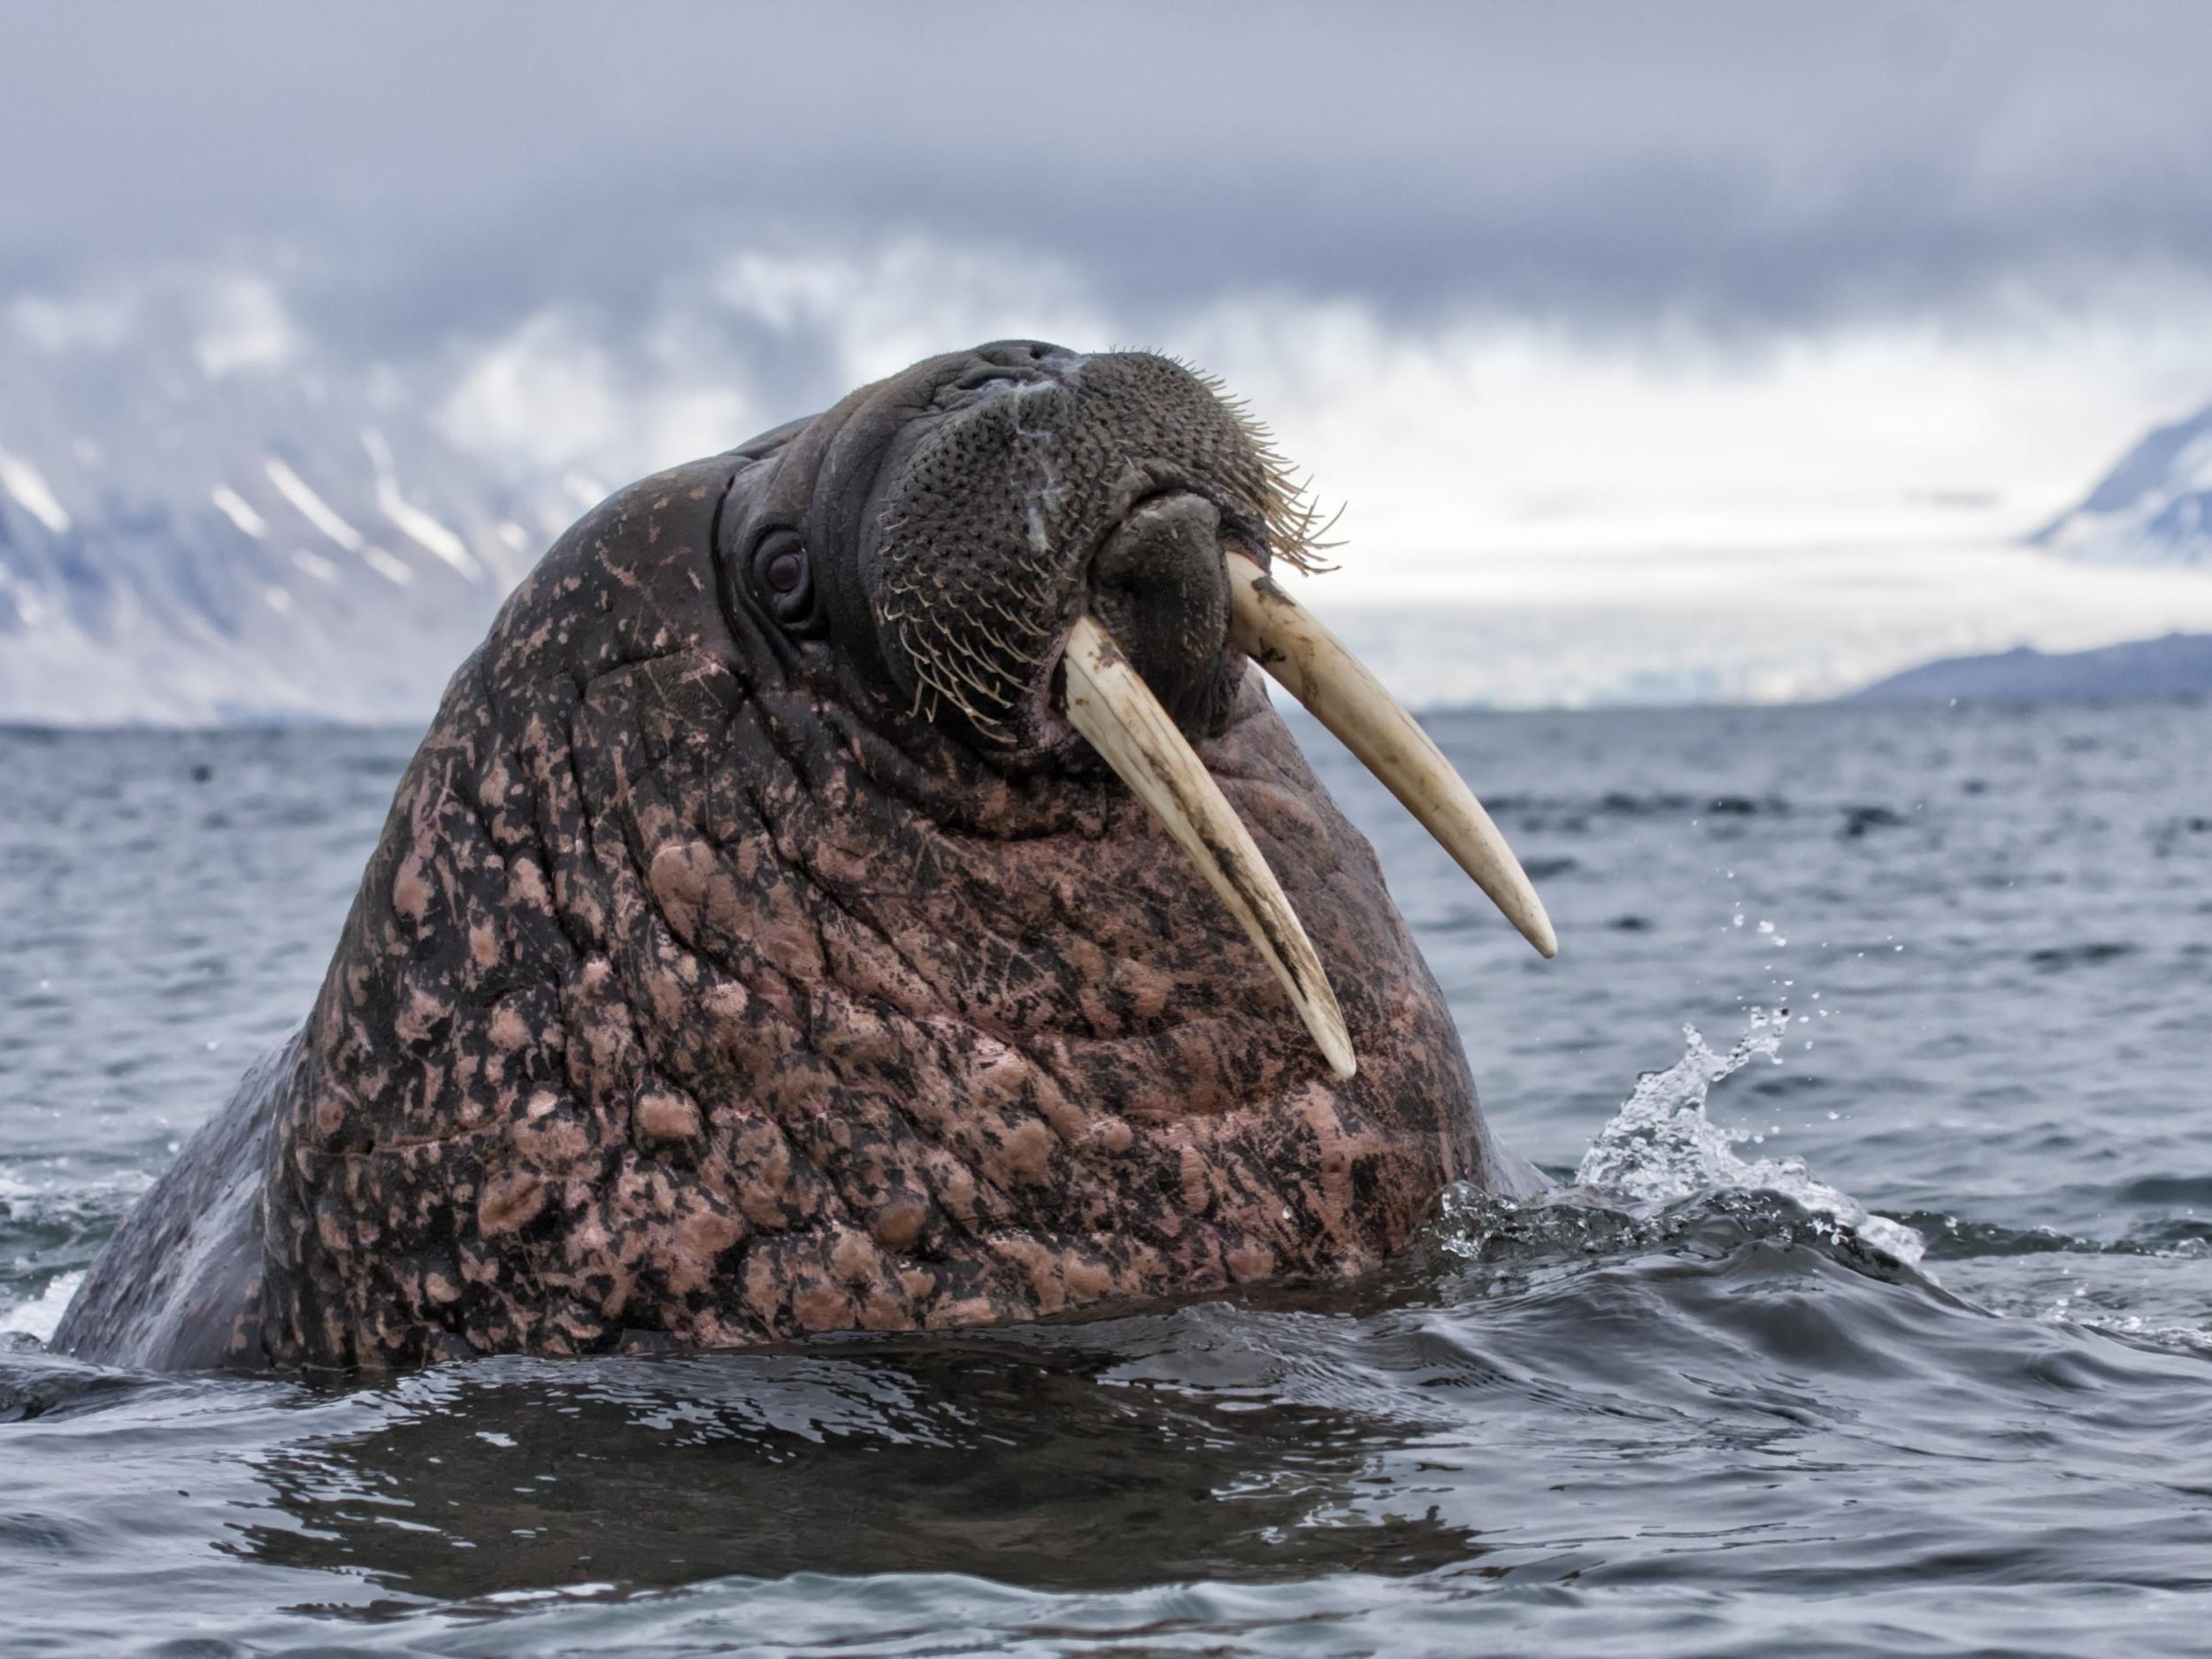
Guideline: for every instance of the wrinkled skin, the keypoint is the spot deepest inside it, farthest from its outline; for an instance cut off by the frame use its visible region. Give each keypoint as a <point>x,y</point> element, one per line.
<point>753,951</point>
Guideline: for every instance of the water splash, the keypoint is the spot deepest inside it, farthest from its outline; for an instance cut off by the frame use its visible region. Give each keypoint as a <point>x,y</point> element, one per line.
<point>39,1317</point>
<point>1662,1148</point>
<point>52,1222</point>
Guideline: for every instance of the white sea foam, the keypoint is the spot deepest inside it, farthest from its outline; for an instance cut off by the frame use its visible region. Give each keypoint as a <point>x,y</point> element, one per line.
<point>39,1318</point>
<point>2194,1339</point>
<point>1661,1147</point>
<point>2154,1295</point>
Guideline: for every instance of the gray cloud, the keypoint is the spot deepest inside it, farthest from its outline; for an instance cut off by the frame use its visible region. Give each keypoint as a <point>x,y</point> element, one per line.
<point>426,168</point>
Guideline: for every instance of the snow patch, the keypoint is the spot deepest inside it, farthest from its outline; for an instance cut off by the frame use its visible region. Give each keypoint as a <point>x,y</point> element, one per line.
<point>312,507</point>
<point>426,531</point>
<point>23,481</point>
<point>27,605</point>
<point>239,510</point>
<point>390,568</point>
<point>314,565</point>
<point>2154,508</point>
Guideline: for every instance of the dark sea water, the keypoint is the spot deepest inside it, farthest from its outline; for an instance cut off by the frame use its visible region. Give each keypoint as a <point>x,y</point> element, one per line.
<point>1892,1334</point>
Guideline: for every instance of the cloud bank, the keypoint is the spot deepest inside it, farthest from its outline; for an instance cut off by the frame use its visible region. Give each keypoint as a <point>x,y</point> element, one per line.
<point>1743,337</point>
<point>1749,165</point>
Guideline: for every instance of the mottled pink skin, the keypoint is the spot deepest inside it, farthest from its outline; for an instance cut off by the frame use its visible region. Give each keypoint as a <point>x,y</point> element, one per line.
<point>690,999</point>
<point>678,1001</point>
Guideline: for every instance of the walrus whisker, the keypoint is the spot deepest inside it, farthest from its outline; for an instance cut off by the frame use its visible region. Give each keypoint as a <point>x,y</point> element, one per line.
<point>1108,702</point>
<point>1280,634</point>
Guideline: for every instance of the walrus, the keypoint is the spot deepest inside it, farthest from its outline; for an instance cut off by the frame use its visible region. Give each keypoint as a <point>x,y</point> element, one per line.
<point>860,883</point>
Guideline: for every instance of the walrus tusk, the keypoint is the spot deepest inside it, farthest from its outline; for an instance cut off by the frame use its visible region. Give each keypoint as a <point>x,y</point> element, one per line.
<point>1281,636</point>
<point>1108,702</point>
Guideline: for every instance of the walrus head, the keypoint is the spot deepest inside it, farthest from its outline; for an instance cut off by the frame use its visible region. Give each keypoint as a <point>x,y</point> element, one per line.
<point>783,927</point>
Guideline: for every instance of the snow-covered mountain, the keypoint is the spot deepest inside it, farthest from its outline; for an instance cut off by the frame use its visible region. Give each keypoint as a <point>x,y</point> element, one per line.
<point>201,521</point>
<point>212,511</point>
<point>2154,508</point>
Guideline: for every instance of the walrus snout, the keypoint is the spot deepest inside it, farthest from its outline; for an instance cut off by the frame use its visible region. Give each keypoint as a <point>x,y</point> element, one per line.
<point>1160,585</point>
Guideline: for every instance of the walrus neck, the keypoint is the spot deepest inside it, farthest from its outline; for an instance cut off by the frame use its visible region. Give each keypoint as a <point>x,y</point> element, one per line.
<point>843,879</point>
<point>668,1014</point>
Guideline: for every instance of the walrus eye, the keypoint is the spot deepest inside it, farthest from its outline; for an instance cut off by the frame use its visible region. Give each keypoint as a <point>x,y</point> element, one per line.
<point>784,584</point>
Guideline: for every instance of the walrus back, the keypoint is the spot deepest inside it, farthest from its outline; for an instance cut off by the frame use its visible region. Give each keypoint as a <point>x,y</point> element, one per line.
<point>177,1289</point>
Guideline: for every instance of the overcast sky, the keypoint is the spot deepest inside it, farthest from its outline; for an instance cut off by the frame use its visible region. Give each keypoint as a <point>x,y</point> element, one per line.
<point>1745,164</point>
<point>1543,277</point>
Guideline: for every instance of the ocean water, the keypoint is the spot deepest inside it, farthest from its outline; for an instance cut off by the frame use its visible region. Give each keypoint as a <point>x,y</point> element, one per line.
<point>1880,1320</point>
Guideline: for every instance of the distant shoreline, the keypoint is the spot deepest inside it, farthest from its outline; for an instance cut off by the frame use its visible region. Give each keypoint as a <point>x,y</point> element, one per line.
<point>2173,665</point>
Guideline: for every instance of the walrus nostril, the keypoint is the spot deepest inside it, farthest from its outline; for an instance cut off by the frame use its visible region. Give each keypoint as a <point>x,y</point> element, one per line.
<point>1157,538</point>
<point>1160,587</point>
<point>1020,353</point>
<point>1009,363</point>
